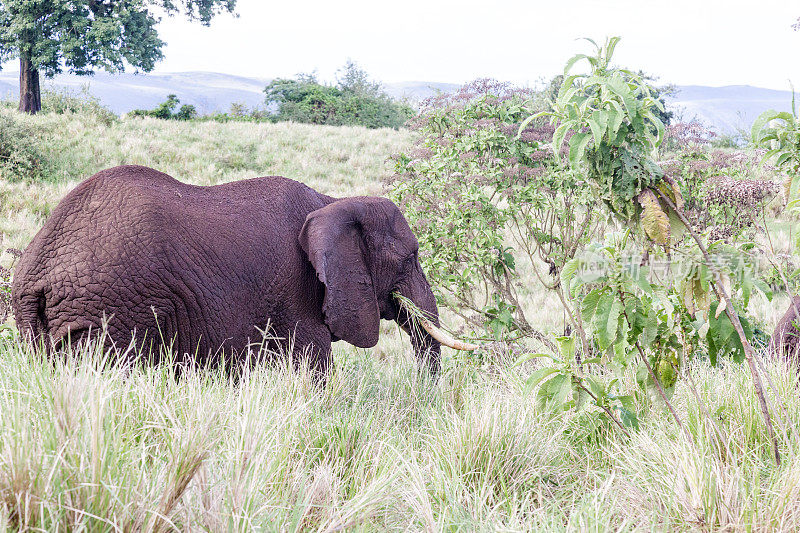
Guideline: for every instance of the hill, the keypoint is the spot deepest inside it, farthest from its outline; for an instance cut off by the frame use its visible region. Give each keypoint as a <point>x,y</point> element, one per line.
<point>207,91</point>
<point>727,109</point>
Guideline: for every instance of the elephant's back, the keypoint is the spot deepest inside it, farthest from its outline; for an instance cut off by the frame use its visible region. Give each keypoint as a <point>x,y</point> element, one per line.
<point>134,243</point>
<point>98,234</point>
<point>96,219</point>
<point>136,206</point>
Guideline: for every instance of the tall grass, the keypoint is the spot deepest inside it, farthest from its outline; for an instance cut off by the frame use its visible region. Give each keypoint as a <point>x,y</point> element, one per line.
<point>334,160</point>
<point>87,445</point>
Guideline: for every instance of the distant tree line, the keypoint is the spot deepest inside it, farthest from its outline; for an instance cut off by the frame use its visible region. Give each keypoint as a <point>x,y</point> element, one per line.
<point>354,100</point>
<point>166,110</point>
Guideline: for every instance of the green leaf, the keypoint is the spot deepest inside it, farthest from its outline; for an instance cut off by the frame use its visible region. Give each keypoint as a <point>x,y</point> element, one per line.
<point>600,116</point>
<point>571,62</point>
<point>597,388</point>
<point>626,402</point>
<point>564,391</point>
<point>568,82</point>
<point>611,44</point>
<point>577,147</point>
<point>642,282</point>
<point>558,136</point>
<point>597,130</point>
<point>555,390</point>
<point>783,158</point>
<point>759,123</point>
<point>628,418</point>
<point>566,346</point>
<point>568,271</point>
<point>763,288</point>
<point>589,304</point>
<point>784,115</point>
<point>619,87</point>
<point>525,123</point>
<point>537,376</point>
<point>660,128</point>
<point>650,328</point>
<point>607,320</point>
<point>615,118</point>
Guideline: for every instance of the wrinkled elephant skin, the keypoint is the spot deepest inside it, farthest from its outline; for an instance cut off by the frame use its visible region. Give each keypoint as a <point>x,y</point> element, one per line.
<point>200,270</point>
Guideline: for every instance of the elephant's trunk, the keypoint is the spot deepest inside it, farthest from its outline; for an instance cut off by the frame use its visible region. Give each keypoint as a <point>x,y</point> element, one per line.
<point>426,347</point>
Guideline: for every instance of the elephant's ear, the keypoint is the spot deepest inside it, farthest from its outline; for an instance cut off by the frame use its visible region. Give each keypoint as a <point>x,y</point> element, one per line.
<point>333,240</point>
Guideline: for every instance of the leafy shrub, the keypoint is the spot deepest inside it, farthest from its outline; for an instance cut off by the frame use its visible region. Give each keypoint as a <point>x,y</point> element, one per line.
<point>717,186</point>
<point>779,133</point>
<point>61,101</point>
<point>480,198</point>
<point>239,112</point>
<point>166,110</point>
<point>615,137</point>
<point>354,101</point>
<point>21,155</point>
<point>5,283</point>
<point>611,121</point>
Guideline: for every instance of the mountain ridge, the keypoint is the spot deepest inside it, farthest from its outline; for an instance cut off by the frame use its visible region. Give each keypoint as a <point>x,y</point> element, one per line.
<point>728,109</point>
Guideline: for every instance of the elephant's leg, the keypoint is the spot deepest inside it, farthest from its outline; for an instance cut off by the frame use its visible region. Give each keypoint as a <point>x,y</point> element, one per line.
<point>314,350</point>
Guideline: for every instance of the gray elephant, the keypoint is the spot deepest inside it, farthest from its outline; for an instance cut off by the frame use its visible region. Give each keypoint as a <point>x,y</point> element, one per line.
<point>785,339</point>
<point>201,271</point>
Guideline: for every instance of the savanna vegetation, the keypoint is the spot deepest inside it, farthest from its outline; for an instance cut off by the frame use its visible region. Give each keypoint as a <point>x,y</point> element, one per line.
<point>558,229</point>
<point>354,100</point>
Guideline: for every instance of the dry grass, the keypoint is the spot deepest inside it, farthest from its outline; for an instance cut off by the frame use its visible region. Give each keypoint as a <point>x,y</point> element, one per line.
<point>87,446</point>
<point>334,160</point>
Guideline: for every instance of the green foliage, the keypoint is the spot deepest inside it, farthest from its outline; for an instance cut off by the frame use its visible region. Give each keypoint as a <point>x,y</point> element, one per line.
<point>238,112</point>
<point>186,112</point>
<point>480,199</point>
<point>638,320</point>
<point>83,35</point>
<point>354,101</point>
<point>658,92</point>
<point>561,385</point>
<point>22,155</point>
<point>779,133</point>
<point>5,283</point>
<point>608,117</point>
<point>723,193</point>
<point>166,110</point>
<point>62,101</point>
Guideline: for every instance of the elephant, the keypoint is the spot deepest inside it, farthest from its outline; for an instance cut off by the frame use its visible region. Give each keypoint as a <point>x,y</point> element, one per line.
<point>785,339</point>
<point>198,272</point>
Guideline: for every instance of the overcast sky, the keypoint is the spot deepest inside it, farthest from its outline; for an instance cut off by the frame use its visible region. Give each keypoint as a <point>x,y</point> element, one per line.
<point>704,42</point>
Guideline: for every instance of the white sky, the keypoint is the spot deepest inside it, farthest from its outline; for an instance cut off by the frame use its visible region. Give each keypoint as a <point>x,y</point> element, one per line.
<point>704,42</point>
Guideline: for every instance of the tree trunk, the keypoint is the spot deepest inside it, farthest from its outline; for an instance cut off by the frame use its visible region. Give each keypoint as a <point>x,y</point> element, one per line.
<point>30,98</point>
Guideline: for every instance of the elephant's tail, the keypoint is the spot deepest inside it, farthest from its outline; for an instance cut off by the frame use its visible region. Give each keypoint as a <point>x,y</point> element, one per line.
<point>29,314</point>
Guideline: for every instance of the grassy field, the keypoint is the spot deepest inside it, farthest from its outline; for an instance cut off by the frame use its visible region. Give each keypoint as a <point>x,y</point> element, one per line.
<point>86,446</point>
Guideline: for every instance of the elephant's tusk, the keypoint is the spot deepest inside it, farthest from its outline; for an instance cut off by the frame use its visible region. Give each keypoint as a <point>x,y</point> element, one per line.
<point>444,338</point>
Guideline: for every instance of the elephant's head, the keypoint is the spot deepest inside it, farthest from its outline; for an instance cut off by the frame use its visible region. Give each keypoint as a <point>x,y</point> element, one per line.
<point>364,251</point>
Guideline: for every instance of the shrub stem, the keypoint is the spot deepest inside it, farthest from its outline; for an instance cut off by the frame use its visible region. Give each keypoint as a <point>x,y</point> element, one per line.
<point>749,352</point>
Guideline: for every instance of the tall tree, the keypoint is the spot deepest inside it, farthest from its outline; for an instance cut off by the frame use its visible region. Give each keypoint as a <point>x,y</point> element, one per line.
<point>84,35</point>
